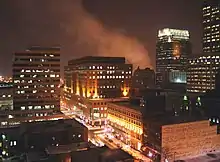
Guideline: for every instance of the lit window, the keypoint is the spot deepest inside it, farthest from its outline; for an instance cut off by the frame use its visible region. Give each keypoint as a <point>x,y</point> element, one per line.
<point>30,107</point>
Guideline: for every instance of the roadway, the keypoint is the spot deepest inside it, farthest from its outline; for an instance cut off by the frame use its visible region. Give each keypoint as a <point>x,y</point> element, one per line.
<point>114,143</point>
<point>98,136</point>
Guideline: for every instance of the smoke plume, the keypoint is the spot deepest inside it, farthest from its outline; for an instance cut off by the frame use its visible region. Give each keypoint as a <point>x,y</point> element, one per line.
<point>93,35</point>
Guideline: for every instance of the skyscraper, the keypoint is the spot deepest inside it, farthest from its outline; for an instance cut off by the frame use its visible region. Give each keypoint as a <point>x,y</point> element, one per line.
<point>202,70</point>
<point>172,51</point>
<point>36,77</point>
<point>211,25</point>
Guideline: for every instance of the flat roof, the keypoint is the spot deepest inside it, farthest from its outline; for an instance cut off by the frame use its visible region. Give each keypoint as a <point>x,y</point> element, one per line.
<point>47,126</point>
<point>168,118</point>
<point>94,155</point>
<point>97,60</point>
<point>127,104</point>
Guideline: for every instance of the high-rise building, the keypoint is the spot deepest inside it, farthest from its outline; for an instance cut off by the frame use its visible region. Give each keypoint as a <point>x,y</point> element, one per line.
<point>202,70</point>
<point>99,77</point>
<point>91,82</point>
<point>6,92</point>
<point>211,25</point>
<point>36,79</point>
<point>143,78</point>
<point>172,51</point>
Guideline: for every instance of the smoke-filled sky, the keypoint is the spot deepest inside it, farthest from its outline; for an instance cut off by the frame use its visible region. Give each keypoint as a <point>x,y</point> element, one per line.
<point>94,27</point>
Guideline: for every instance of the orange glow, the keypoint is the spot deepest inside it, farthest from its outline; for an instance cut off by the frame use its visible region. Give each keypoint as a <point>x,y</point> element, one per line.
<point>77,87</point>
<point>125,91</point>
<point>68,159</point>
<point>176,51</point>
<point>126,124</point>
<point>84,92</point>
<point>88,93</point>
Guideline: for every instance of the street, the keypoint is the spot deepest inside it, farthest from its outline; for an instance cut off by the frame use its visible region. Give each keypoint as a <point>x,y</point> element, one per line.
<point>101,136</point>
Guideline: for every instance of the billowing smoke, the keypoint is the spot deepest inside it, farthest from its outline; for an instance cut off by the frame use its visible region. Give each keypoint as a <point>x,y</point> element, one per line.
<point>93,35</point>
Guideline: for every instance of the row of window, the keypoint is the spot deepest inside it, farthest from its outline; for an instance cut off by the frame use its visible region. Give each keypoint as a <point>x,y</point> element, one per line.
<point>6,96</point>
<point>109,77</point>
<point>39,80</point>
<point>36,91</point>
<point>36,86</point>
<point>125,112</point>
<point>37,107</point>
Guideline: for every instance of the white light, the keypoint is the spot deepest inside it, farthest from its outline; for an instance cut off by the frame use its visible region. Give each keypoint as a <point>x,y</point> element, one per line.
<point>150,154</point>
<point>3,152</point>
<point>174,32</point>
<point>10,116</point>
<point>178,80</point>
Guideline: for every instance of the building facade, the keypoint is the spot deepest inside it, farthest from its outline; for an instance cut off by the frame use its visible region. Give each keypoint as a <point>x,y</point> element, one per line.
<point>98,77</point>
<point>36,77</point>
<point>6,100</point>
<point>32,136</point>
<point>189,140</point>
<point>91,82</point>
<point>143,78</point>
<point>201,72</point>
<point>127,122</point>
<point>172,51</point>
<point>211,26</point>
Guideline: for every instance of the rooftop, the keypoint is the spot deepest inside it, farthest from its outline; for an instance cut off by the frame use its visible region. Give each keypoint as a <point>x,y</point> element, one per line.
<point>128,105</point>
<point>49,126</point>
<point>97,59</point>
<point>102,154</point>
<point>168,118</point>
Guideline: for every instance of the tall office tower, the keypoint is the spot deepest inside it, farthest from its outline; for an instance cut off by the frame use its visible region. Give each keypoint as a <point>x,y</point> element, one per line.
<point>98,77</point>
<point>202,70</point>
<point>36,77</point>
<point>172,51</point>
<point>211,25</point>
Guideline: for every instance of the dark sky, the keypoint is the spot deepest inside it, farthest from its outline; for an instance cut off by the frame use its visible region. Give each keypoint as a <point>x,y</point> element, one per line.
<point>90,27</point>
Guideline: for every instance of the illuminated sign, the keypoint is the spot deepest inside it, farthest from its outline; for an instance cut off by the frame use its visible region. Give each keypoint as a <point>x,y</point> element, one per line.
<point>181,34</point>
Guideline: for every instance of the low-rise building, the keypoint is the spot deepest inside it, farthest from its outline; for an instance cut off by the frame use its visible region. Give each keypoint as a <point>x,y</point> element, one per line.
<point>127,120</point>
<point>40,135</point>
<point>92,111</point>
<point>163,135</point>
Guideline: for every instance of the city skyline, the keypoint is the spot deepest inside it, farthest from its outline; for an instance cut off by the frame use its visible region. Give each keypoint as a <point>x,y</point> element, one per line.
<point>146,19</point>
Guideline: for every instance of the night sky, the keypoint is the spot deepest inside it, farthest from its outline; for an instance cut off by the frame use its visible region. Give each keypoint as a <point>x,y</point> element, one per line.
<point>94,27</point>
